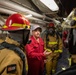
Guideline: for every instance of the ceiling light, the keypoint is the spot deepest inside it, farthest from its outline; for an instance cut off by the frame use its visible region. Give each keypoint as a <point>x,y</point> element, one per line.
<point>50,4</point>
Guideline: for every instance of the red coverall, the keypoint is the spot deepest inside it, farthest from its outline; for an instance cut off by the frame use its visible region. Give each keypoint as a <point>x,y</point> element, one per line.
<point>35,56</point>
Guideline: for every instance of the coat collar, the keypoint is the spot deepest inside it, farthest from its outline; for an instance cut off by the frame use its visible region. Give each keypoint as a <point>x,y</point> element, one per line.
<point>34,40</point>
<point>11,41</point>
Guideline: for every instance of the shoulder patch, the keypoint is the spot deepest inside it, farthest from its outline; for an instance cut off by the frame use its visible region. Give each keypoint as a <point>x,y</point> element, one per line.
<point>11,68</point>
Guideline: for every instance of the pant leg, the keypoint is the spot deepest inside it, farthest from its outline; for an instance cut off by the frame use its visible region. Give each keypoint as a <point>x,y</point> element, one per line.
<point>73,62</point>
<point>49,65</point>
<point>55,61</point>
<point>54,65</point>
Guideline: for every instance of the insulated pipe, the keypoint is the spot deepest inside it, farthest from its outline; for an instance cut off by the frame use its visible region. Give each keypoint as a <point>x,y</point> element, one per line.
<point>2,19</point>
<point>3,10</point>
<point>7,11</point>
<point>19,8</point>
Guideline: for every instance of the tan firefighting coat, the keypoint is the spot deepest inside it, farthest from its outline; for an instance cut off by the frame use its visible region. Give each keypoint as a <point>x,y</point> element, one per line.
<point>53,44</point>
<point>10,62</point>
<point>53,41</point>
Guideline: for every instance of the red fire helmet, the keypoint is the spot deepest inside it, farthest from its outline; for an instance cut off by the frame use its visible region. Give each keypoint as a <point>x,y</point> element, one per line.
<point>16,22</point>
<point>51,25</point>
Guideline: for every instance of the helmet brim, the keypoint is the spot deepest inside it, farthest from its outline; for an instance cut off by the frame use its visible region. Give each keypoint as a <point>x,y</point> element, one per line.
<point>12,29</point>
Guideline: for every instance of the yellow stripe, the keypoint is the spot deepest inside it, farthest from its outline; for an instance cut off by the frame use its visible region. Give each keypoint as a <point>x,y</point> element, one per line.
<point>18,25</point>
<point>74,18</point>
<point>5,26</point>
<point>21,25</point>
<point>49,50</point>
<point>69,59</point>
<point>52,43</point>
<point>60,51</point>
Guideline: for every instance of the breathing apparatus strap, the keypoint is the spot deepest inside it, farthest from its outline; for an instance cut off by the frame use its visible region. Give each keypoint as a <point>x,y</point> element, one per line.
<point>17,50</point>
<point>57,38</point>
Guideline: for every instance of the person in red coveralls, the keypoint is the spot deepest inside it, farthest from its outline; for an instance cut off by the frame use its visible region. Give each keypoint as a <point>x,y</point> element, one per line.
<point>35,52</point>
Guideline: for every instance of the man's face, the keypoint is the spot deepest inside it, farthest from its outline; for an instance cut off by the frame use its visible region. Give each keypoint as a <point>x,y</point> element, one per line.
<point>36,33</point>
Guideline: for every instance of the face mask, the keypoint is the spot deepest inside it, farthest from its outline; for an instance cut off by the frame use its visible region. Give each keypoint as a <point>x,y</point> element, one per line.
<point>51,31</point>
<point>20,36</point>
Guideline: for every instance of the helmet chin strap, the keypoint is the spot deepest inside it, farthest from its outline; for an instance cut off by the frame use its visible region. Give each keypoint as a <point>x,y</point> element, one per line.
<point>25,37</point>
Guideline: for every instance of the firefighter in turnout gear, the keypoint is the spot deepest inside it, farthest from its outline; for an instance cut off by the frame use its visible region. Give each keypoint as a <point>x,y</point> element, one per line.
<point>54,44</point>
<point>12,55</point>
<point>72,38</point>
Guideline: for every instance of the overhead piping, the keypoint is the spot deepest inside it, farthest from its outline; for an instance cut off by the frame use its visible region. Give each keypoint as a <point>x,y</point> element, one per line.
<point>18,8</point>
<point>3,10</point>
<point>16,1</point>
<point>7,11</point>
<point>2,19</point>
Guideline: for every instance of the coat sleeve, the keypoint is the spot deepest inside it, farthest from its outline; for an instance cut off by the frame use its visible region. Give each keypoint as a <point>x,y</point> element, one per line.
<point>32,54</point>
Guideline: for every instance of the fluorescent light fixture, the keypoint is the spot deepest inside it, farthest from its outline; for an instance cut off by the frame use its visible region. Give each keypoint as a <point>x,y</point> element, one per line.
<point>50,4</point>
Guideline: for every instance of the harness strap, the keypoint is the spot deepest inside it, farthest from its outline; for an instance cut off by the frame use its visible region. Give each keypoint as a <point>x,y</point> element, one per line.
<point>57,38</point>
<point>1,47</point>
